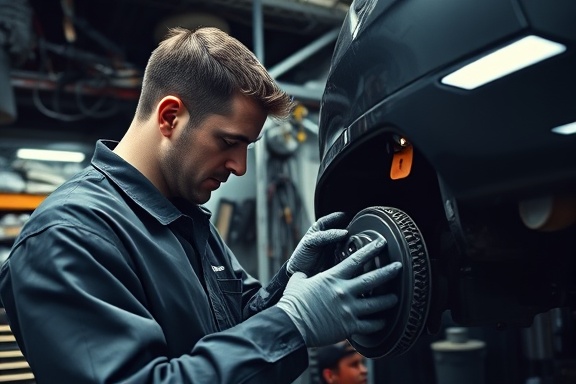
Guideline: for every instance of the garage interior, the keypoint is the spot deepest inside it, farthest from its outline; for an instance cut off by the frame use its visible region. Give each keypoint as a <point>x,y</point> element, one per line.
<point>70,72</point>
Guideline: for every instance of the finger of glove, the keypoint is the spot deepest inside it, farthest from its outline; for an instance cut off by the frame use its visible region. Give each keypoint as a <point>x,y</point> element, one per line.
<point>297,277</point>
<point>307,255</point>
<point>373,279</point>
<point>333,220</point>
<point>353,264</point>
<point>322,238</point>
<point>374,304</point>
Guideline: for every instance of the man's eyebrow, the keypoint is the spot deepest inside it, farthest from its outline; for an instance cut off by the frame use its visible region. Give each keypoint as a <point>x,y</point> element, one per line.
<point>242,138</point>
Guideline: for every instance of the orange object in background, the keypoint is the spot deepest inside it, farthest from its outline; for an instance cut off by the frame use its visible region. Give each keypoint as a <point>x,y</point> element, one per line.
<point>19,201</point>
<point>402,163</point>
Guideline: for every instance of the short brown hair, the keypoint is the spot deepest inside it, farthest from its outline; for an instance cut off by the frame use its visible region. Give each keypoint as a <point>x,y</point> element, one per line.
<point>205,68</point>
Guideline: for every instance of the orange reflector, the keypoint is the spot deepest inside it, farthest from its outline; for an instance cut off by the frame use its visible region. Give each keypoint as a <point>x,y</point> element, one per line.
<point>402,163</point>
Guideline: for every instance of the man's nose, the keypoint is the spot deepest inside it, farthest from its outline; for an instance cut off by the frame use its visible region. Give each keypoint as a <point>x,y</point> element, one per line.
<point>236,164</point>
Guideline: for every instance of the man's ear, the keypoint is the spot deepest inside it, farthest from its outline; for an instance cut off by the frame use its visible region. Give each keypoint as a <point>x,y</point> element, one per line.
<point>328,375</point>
<point>169,109</point>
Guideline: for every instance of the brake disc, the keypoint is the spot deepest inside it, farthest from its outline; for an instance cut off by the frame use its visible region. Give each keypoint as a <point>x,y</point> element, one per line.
<point>404,243</point>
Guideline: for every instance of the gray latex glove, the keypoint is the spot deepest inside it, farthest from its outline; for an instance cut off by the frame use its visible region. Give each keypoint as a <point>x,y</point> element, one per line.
<point>310,253</point>
<point>329,307</point>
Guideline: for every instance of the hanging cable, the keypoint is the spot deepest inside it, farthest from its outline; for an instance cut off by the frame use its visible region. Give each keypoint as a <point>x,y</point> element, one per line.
<point>287,219</point>
<point>87,77</point>
<point>52,113</point>
<point>95,110</point>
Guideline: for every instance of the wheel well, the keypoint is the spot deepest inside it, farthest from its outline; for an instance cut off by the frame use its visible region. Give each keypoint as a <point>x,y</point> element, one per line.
<point>360,178</point>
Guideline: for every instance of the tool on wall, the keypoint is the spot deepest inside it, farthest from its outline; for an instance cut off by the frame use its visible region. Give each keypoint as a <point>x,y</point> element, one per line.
<point>285,138</point>
<point>287,218</point>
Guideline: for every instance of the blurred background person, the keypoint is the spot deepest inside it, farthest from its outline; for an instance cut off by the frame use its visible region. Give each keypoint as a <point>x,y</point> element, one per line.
<point>340,363</point>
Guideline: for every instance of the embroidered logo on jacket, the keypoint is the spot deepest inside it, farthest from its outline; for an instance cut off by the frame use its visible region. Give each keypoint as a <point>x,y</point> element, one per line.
<point>218,268</point>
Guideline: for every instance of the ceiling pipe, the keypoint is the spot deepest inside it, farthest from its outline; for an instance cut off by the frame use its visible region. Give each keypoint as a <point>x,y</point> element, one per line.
<point>331,14</point>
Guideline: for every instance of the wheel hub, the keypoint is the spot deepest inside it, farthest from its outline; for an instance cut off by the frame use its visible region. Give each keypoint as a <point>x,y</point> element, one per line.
<point>404,243</point>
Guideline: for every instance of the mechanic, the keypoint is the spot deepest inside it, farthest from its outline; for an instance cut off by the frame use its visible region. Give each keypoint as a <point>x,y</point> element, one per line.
<point>119,275</point>
<point>340,363</point>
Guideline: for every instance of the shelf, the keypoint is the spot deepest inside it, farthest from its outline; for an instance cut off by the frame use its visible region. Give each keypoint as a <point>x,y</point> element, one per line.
<point>10,378</point>
<point>20,201</point>
<point>13,366</point>
<point>10,354</point>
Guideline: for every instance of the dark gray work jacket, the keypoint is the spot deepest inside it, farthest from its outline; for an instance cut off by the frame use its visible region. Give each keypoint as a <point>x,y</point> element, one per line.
<point>110,282</point>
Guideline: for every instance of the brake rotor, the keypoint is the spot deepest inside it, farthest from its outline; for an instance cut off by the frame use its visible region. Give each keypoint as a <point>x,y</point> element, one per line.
<point>404,243</point>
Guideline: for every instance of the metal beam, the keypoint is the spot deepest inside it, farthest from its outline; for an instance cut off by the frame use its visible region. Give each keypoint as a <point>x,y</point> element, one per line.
<point>335,15</point>
<point>304,53</point>
<point>303,92</point>
<point>330,15</point>
<point>261,156</point>
<point>310,125</point>
<point>258,30</point>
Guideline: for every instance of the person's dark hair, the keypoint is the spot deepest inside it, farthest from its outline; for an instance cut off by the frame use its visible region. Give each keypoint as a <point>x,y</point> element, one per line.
<point>330,356</point>
<point>205,68</point>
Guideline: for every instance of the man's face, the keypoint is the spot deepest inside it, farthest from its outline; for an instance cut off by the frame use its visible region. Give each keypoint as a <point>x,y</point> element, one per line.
<point>351,370</point>
<point>200,158</point>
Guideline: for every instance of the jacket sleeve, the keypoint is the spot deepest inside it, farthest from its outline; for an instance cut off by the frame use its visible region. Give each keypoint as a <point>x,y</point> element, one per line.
<point>69,296</point>
<point>266,296</point>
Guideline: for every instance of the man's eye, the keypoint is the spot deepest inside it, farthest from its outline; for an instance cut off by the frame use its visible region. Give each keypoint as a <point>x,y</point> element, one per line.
<point>229,143</point>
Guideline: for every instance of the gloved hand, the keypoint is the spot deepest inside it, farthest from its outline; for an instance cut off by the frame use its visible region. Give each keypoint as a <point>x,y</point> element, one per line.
<point>311,252</point>
<point>329,306</point>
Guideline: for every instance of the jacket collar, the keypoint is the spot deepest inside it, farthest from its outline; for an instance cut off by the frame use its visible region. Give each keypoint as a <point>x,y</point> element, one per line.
<point>138,188</point>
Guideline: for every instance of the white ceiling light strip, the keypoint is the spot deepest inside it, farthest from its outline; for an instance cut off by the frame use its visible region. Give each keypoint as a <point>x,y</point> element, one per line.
<point>50,155</point>
<point>566,129</point>
<point>511,58</point>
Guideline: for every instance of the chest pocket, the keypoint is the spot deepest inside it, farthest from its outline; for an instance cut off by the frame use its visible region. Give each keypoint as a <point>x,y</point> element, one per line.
<point>231,290</point>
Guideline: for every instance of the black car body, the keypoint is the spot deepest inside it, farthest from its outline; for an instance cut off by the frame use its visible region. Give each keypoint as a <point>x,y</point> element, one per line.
<point>481,161</point>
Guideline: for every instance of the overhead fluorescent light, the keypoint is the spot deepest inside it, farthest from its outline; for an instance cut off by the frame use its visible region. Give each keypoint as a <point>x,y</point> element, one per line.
<point>511,58</point>
<point>566,129</point>
<point>50,155</point>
